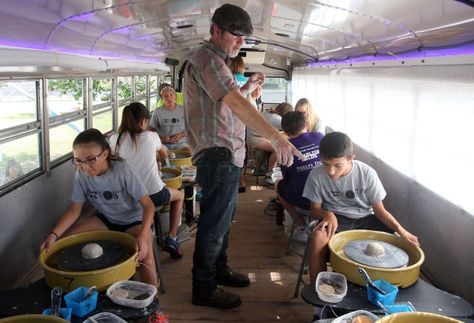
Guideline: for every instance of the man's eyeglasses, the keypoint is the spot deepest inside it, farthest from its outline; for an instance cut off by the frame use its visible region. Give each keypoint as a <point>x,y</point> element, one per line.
<point>89,161</point>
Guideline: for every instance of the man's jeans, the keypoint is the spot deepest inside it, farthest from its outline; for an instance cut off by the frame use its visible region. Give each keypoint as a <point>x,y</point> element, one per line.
<point>219,181</point>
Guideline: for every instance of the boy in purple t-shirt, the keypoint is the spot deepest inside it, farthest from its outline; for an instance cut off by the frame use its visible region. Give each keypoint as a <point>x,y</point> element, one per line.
<point>290,188</point>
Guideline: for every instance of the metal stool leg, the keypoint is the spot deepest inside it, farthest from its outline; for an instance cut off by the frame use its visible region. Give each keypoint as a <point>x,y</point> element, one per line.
<point>290,238</point>
<point>310,227</point>
<point>302,268</point>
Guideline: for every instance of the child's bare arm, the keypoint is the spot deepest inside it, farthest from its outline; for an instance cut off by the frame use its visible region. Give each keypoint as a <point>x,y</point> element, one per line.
<point>69,217</point>
<point>389,220</point>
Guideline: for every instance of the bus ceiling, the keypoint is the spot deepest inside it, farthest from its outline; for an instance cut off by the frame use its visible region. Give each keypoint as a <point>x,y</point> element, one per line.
<point>286,33</point>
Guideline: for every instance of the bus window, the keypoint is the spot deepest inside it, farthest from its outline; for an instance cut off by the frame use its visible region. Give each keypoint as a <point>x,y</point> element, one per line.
<point>101,91</point>
<point>103,120</point>
<point>62,136</point>
<point>64,96</point>
<point>65,99</point>
<point>140,87</point>
<point>19,130</point>
<point>124,88</point>
<point>274,90</point>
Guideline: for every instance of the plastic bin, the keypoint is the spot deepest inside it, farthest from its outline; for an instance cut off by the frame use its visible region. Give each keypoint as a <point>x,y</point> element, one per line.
<point>79,304</point>
<point>65,312</point>
<point>138,295</point>
<point>388,298</point>
<point>104,317</point>
<point>335,280</point>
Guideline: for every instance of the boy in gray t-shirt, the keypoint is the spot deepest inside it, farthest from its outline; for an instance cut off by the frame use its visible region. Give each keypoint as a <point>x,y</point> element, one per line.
<point>345,194</point>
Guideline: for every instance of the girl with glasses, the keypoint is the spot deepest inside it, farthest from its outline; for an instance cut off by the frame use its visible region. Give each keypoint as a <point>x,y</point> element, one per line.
<point>118,195</point>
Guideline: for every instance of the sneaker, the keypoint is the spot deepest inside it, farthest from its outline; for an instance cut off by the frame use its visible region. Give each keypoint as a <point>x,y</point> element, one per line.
<point>172,246</point>
<point>300,234</point>
<point>268,182</point>
<point>219,299</point>
<point>230,278</point>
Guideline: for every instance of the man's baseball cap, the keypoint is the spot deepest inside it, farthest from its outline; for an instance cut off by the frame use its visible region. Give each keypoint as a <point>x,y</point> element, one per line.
<point>233,19</point>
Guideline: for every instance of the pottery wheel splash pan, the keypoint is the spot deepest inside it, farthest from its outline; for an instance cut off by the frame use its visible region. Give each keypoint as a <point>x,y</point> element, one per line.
<point>401,277</point>
<point>166,175</point>
<point>71,258</point>
<point>393,257</point>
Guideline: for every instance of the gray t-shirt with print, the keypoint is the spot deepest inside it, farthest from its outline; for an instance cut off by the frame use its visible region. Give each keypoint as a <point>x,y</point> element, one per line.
<point>351,195</point>
<point>168,122</point>
<point>115,194</point>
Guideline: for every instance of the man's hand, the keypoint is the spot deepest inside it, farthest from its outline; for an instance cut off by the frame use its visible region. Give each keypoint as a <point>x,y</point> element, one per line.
<point>284,150</point>
<point>257,79</point>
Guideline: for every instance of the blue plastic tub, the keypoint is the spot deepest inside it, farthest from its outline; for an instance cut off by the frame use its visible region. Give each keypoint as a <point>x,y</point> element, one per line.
<point>77,302</point>
<point>64,311</point>
<point>388,298</point>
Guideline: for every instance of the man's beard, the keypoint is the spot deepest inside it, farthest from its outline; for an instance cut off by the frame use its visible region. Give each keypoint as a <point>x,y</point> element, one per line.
<point>234,54</point>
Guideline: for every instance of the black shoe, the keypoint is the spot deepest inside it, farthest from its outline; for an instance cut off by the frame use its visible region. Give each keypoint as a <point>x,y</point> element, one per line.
<point>230,278</point>
<point>219,299</point>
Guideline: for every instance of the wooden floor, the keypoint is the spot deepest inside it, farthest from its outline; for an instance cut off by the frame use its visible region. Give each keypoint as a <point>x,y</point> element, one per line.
<point>257,247</point>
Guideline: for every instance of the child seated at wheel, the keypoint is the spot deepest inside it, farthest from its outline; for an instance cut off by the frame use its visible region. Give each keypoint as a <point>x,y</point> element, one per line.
<point>138,147</point>
<point>290,188</point>
<point>118,195</point>
<point>345,194</point>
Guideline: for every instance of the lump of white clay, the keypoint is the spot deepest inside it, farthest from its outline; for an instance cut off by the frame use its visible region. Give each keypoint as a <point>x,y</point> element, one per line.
<point>361,319</point>
<point>171,155</point>
<point>120,292</point>
<point>374,249</point>
<point>327,289</point>
<point>92,251</point>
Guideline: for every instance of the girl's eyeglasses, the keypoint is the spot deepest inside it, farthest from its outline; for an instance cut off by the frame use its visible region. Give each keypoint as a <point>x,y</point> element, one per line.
<point>89,161</point>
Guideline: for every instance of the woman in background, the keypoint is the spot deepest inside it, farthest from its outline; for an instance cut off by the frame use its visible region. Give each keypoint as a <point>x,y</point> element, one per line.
<point>314,122</point>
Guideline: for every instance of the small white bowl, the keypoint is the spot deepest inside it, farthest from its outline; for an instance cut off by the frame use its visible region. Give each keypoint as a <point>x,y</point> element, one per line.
<point>335,280</point>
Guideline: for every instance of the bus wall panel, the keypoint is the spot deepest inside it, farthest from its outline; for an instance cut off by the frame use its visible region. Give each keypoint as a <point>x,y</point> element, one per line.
<point>28,214</point>
<point>444,229</point>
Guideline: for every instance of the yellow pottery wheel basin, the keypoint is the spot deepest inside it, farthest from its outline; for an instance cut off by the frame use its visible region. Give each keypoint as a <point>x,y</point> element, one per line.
<point>102,278</point>
<point>33,318</point>
<point>173,178</point>
<point>402,277</point>
<point>416,317</point>
<point>182,158</point>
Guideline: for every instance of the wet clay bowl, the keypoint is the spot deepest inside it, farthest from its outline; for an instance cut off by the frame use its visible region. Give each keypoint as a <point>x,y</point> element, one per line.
<point>102,278</point>
<point>400,277</point>
<point>416,317</point>
<point>172,177</point>
<point>181,158</point>
<point>33,318</point>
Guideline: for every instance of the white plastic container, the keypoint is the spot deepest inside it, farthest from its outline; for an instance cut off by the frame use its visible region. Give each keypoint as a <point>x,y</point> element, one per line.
<point>131,293</point>
<point>338,283</point>
<point>104,317</point>
<point>349,317</point>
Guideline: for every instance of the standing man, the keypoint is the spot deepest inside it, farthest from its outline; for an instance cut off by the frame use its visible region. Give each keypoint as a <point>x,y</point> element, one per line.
<point>216,113</point>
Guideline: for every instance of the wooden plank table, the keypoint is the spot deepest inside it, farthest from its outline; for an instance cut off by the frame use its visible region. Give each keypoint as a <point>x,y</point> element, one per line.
<point>423,296</point>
